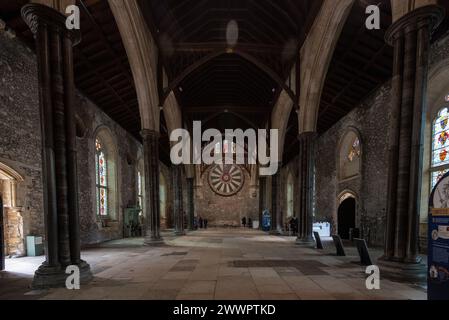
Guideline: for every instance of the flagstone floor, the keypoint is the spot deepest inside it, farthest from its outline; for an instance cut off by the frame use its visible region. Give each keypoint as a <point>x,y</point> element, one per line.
<point>214,264</point>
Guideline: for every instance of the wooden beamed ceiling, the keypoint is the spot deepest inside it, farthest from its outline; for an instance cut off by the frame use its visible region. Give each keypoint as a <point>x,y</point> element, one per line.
<point>210,76</point>
<point>362,62</point>
<point>223,87</point>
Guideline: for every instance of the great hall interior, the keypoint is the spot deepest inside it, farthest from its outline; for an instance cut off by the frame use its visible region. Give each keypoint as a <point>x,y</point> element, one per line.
<point>86,176</point>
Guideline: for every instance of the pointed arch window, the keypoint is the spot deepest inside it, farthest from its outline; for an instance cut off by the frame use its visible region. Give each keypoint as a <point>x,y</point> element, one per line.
<point>101,169</point>
<point>290,196</point>
<point>440,146</point>
<point>139,190</point>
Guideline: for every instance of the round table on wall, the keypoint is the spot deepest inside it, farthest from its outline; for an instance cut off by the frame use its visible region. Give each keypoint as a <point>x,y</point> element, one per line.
<point>226,180</point>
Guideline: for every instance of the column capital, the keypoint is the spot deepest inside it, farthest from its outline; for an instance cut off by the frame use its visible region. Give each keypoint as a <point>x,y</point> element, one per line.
<point>428,16</point>
<point>148,133</point>
<point>37,15</point>
<point>309,135</point>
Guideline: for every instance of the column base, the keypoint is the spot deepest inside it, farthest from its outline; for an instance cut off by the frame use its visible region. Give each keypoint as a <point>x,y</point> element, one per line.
<point>180,233</point>
<point>47,277</point>
<point>412,270</point>
<point>274,233</point>
<point>150,241</point>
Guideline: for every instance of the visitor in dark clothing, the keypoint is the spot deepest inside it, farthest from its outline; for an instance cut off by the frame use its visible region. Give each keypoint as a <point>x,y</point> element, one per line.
<point>200,220</point>
<point>244,222</point>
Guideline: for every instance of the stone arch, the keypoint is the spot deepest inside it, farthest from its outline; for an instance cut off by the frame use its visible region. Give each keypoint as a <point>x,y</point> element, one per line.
<point>349,168</point>
<point>12,213</point>
<point>316,55</point>
<point>279,119</point>
<point>346,215</point>
<point>142,55</point>
<point>110,144</point>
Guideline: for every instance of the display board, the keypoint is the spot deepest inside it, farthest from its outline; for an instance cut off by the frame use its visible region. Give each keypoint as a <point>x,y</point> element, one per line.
<point>438,241</point>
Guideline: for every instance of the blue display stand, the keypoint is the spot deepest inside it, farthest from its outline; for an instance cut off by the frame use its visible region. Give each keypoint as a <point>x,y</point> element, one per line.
<point>266,222</point>
<point>438,242</point>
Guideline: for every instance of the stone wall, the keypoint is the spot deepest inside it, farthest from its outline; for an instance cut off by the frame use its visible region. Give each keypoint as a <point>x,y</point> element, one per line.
<point>20,149</point>
<point>225,211</point>
<point>127,151</point>
<point>370,119</point>
<point>20,142</point>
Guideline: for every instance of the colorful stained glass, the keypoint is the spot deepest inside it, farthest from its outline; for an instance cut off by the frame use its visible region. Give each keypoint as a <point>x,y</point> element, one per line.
<point>139,190</point>
<point>101,179</point>
<point>354,152</point>
<point>437,175</point>
<point>440,146</point>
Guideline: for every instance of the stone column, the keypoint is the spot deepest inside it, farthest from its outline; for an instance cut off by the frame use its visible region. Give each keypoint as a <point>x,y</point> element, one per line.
<point>276,203</point>
<point>261,200</point>
<point>54,48</point>
<point>410,37</point>
<point>306,179</point>
<point>151,171</point>
<point>178,212</point>
<point>191,204</point>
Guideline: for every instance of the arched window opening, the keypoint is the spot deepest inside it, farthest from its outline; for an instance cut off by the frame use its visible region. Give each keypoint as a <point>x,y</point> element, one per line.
<point>101,165</point>
<point>440,145</point>
<point>227,147</point>
<point>163,199</point>
<point>349,155</point>
<point>290,196</point>
<point>106,187</point>
<point>139,190</point>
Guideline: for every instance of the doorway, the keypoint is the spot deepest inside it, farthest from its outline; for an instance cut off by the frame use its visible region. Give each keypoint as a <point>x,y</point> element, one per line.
<point>2,238</point>
<point>346,217</point>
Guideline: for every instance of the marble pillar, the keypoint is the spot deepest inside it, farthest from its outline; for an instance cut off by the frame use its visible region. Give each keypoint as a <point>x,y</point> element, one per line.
<point>410,37</point>
<point>152,220</point>
<point>54,49</point>
<point>306,185</point>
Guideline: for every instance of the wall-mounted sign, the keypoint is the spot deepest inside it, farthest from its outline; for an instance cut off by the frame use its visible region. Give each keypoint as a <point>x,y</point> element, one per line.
<point>438,239</point>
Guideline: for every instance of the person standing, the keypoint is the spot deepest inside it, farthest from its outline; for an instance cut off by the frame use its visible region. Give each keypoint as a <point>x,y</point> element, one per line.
<point>205,223</point>
<point>244,222</point>
<point>200,220</point>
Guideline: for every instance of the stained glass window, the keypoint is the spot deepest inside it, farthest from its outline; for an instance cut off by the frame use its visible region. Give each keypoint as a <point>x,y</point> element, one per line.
<point>139,190</point>
<point>101,166</point>
<point>440,146</point>
<point>354,151</point>
<point>290,197</point>
<point>225,149</point>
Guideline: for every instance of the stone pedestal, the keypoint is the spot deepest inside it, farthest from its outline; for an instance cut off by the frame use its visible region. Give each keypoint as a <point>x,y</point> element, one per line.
<point>305,194</point>
<point>151,171</point>
<point>54,48</point>
<point>410,37</point>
